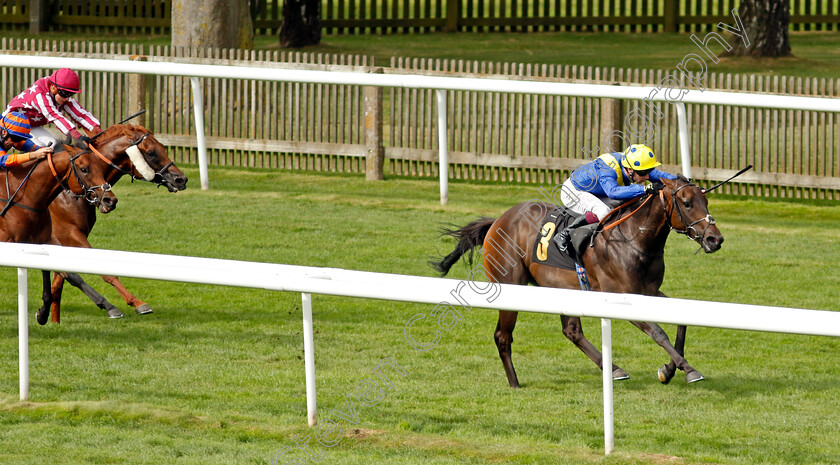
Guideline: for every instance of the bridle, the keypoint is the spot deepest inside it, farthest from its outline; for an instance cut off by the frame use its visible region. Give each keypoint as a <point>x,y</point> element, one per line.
<point>690,231</point>
<point>88,192</point>
<point>145,174</point>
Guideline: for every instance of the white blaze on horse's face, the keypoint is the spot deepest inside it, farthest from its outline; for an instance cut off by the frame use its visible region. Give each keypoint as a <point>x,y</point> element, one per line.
<point>140,163</point>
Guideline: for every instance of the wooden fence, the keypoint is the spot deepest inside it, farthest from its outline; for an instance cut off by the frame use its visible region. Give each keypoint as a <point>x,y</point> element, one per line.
<point>401,16</point>
<point>492,136</point>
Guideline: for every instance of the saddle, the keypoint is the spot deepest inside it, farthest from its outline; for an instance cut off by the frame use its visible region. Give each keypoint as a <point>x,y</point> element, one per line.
<point>546,251</point>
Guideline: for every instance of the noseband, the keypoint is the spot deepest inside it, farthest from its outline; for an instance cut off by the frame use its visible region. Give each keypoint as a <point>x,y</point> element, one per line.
<point>690,231</point>
<point>153,177</point>
<point>157,178</point>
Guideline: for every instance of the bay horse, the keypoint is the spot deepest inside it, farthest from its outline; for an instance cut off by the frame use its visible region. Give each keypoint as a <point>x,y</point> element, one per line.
<point>627,256</point>
<point>73,219</point>
<point>30,190</point>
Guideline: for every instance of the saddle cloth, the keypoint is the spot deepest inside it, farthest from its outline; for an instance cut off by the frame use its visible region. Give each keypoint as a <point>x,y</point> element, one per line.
<point>546,251</point>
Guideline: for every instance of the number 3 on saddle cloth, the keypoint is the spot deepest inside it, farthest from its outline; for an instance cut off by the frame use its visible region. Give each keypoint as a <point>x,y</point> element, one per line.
<point>546,251</point>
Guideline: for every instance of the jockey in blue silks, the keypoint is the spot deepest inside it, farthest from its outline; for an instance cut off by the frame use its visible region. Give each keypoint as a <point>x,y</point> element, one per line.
<point>616,176</point>
<point>14,134</point>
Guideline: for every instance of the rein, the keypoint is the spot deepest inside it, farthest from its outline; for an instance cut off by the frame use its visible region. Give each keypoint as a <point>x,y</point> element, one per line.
<point>10,201</point>
<point>618,222</point>
<point>624,218</point>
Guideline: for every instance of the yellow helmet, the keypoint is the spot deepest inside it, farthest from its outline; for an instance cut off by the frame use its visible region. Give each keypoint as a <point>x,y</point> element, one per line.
<point>639,157</point>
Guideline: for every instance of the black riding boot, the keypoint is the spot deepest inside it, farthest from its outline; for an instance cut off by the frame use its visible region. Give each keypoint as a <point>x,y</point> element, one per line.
<point>564,238</point>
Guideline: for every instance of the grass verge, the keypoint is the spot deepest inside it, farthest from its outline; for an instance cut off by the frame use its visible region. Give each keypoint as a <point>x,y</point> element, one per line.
<point>215,375</point>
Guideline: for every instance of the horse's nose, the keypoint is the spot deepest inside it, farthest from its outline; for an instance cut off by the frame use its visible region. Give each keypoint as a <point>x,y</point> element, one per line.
<point>713,242</point>
<point>109,202</point>
<point>175,182</point>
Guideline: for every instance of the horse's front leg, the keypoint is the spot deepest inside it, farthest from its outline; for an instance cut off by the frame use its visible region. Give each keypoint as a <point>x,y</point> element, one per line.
<point>667,372</point>
<point>573,331</point>
<point>658,334</point>
<point>43,313</point>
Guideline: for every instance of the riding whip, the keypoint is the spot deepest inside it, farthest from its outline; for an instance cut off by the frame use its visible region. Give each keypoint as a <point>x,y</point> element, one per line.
<point>748,167</point>
<point>123,121</point>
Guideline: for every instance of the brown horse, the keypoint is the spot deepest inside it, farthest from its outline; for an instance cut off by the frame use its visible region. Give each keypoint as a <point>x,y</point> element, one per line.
<point>29,192</point>
<point>73,219</point>
<point>625,258</point>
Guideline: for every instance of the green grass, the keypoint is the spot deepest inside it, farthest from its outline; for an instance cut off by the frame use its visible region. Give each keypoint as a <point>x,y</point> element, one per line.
<point>215,375</point>
<point>816,54</point>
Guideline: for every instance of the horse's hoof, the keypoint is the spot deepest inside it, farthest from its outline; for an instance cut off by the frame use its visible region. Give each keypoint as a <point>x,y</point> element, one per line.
<point>694,376</point>
<point>619,374</point>
<point>115,313</point>
<point>143,309</point>
<point>42,316</point>
<point>665,375</point>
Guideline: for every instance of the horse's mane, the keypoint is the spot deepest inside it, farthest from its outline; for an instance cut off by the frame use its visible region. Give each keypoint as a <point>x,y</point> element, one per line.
<point>684,179</point>
<point>619,210</point>
<point>119,130</point>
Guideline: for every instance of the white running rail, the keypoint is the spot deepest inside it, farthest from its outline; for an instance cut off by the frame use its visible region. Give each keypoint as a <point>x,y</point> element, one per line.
<point>334,281</point>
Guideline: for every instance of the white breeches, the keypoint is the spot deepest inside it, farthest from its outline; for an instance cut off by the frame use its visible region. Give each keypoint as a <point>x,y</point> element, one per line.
<point>49,137</point>
<point>582,201</point>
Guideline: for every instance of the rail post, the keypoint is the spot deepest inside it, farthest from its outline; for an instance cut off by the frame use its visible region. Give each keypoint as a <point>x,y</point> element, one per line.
<point>443,157</point>
<point>23,333</point>
<point>611,124</point>
<point>375,158</point>
<point>685,154</point>
<point>309,359</point>
<point>606,369</point>
<point>137,91</point>
<point>198,109</point>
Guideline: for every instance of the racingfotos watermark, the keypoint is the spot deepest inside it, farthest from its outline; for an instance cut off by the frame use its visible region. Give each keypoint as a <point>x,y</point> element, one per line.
<point>639,127</point>
<point>673,89</point>
<point>367,392</point>
<point>424,331</point>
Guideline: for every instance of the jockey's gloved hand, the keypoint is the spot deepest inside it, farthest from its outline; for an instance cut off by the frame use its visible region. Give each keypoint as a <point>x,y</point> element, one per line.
<point>88,140</point>
<point>652,188</point>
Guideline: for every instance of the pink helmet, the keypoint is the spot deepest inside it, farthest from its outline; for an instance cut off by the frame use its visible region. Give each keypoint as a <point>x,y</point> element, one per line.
<point>66,79</point>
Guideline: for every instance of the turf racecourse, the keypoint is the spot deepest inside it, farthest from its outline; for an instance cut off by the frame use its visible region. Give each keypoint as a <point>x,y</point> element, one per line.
<point>215,375</point>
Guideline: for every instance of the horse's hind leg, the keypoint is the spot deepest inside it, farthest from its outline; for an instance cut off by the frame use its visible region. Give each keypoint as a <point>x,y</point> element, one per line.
<point>142,308</point>
<point>101,302</point>
<point>573,330</point>
<point>668,370</point>
<point>658,334</point>
<point>504,338</point>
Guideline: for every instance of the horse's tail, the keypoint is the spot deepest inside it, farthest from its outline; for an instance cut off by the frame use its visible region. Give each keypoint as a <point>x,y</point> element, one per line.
<point>468,237</point>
